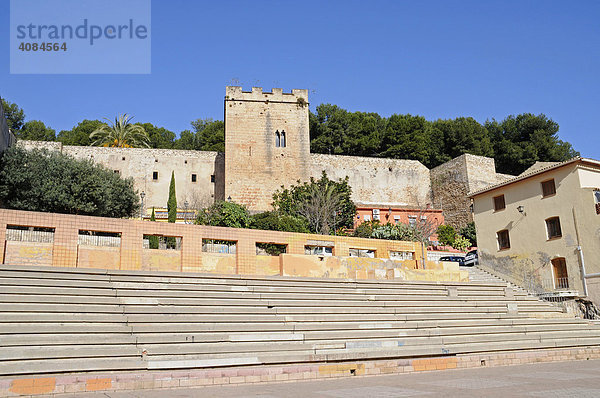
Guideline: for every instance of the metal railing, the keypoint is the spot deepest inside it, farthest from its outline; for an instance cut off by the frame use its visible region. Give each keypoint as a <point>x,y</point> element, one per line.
<point>96,240</point>
<point>26,235</point>
<point>219,246</point>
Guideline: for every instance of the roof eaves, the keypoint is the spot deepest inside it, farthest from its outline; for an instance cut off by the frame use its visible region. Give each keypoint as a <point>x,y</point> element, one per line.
<point>531,174</point>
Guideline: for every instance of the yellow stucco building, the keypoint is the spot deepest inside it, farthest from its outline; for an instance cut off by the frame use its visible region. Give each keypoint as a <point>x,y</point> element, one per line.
<point>542,228</point>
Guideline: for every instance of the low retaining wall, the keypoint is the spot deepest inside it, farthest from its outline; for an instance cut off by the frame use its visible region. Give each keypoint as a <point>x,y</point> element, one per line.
<point>68,241</point>
<point>369,268</point>
<point>136,381</point>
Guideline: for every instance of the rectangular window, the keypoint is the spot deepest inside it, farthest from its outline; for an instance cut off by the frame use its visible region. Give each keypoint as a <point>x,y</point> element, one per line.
<point>499,203</point>
<point>270,249</point>
<point>155,175</point>
<point>597,200</point>
<point>367,217</point>
<point>212,178</point>
<point>29,234</point>
<point>553,228</point>
<point>219,246</point>
<point>98,238</point>
<point>362,253</point>
<point>402,255</point>
<point>503,239</point>
<point>396,219</point>
<point>548,188</point>
<point>193,177</point>
<point>161,242</point>
<point>318,250</point>
<point>412,220</point>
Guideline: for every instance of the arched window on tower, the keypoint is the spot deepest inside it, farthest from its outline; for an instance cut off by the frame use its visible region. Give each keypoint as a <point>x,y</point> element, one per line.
<point>282,138</point>
<point>277,139</point>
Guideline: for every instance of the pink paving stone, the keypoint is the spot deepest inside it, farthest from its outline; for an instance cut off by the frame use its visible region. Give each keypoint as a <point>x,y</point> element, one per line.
<point>63,380</point>
<point>213,373</point>
<point>304,368</point>
<point>133,376</point>
<point>290,369</point>
<point>274,371</point>
<point>230,372</point>
<point>198,374</point>
<point>246,372</point>
<point>180,374</point>
<point>5,384</point>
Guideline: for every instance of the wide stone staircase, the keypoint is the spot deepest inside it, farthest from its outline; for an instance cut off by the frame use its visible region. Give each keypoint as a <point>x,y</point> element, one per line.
<point>59,320</point>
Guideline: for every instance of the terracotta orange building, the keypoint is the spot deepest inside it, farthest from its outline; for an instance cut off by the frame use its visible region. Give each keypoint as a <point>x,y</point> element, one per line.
<point>396,214</point>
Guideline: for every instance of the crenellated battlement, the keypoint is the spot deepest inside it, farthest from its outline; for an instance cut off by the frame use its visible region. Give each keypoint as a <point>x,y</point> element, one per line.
<point>236,93</point>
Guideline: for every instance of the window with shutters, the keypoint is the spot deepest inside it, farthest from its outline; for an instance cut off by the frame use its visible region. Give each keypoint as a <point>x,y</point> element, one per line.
<point>548,188</point>
<point>499,203</point>
<point>553,228</point>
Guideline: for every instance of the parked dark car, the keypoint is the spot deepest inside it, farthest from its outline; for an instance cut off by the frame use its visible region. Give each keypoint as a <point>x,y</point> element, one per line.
<point>456,259</point>
<point>471,258</point>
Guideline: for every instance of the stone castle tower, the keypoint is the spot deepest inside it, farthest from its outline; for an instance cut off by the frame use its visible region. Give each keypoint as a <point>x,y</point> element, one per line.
<point>267,143</point>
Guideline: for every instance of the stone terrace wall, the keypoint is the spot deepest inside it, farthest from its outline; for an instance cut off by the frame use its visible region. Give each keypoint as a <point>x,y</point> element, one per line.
<point>376,180</point>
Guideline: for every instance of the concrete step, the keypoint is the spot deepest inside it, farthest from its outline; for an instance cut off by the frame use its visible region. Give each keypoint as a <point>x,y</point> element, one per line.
<point>73,327</point>
<point>67,365</point>
<point>72,320</point>
<point>56,299</point>
<point>19,317</point>
<point>61,307</point>
<point>68,351</point>
<point>50,339</point>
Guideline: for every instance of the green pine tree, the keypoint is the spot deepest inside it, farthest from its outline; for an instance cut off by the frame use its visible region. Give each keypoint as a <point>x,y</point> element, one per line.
<point>153,239</point>
<point>172,209</point>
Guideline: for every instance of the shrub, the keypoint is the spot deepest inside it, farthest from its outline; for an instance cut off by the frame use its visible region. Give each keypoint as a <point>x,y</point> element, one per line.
<point>446,234</point>
<point>461,243</point>
<point>468,231</point>
<point>225,214</point>
<point>39,180</point>
<point>274,221</point>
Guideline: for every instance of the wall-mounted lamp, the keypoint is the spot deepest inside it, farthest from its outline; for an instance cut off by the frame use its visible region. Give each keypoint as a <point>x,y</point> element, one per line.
<point>521,209</point>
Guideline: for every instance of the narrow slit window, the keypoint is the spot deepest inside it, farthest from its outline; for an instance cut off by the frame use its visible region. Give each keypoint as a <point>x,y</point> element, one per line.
<point>155,175</point>
<point>277,139</point>
<point>194,177</point>
<point>282,142</point>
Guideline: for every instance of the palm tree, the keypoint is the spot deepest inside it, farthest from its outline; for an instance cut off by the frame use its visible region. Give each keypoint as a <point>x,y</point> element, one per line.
<point>121,134</point>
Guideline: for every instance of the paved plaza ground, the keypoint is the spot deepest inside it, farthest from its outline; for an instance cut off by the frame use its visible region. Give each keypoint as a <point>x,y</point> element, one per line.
<point>579,379</point>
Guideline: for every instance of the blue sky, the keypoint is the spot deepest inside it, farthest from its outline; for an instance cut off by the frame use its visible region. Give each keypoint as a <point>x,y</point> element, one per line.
<point>439,59</point>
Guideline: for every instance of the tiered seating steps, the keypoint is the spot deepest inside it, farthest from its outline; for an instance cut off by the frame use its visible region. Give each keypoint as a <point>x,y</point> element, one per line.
<point>57,320</point>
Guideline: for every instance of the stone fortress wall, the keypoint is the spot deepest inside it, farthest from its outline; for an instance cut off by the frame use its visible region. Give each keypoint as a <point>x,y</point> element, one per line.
<point>253,166</point>
<point>142,164</point>
<point>378,181</point>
